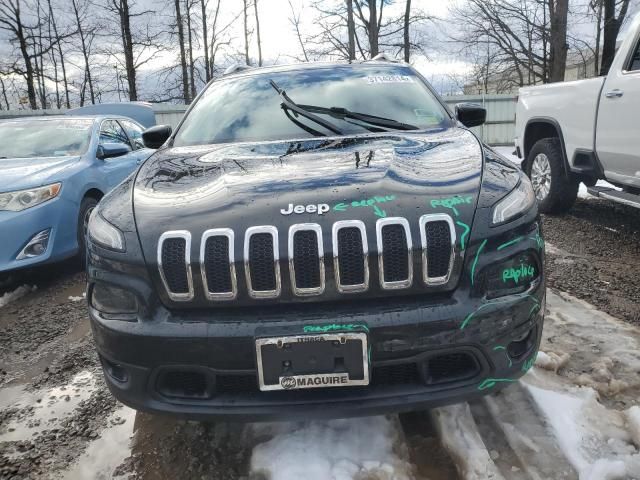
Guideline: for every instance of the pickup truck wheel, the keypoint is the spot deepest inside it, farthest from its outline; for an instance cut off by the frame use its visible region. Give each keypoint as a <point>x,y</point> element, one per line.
<point>86,208</point>
<point>555,192</point>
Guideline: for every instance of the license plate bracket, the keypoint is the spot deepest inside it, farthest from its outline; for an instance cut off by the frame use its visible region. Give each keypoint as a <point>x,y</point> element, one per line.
<point>313,361</point>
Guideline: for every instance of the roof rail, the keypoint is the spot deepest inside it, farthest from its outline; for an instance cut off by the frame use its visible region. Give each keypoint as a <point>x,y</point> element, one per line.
<point>383,57</point>
<point>236,67</point>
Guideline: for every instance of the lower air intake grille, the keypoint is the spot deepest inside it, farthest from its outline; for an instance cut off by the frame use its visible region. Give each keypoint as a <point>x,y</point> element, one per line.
<point>350,258</point>
<point>438,236</point>
<point>306,259</point>
<point>395,253</point>
<point>216,265</point>
<point>451,367</point>
<point>262,262</point>
<point>174,266</point>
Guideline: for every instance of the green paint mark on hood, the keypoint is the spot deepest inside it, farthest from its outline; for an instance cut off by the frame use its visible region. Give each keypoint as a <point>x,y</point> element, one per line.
<point>335,327</point>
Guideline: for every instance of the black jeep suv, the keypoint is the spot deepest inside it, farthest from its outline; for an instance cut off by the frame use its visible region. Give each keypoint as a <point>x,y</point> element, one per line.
<point>316,240</point>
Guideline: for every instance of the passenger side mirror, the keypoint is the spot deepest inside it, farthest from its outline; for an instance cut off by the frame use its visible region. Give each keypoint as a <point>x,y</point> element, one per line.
<point>471,114</point>
<point>155,137</point>
<point>112,150</point>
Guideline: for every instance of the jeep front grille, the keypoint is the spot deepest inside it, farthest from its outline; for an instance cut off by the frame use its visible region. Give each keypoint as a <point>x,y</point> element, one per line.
<point>306,259</point>
<point>174,254</point>
<point>217,264</point>
<point>438,236</point>
<point>395,260</point>
<point>262,265</point>
<point>351,256</point>
<point>306,263</point>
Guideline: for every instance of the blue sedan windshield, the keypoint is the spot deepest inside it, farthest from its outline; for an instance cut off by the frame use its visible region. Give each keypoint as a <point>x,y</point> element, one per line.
<point>249,108</point>
<point>54,137</point>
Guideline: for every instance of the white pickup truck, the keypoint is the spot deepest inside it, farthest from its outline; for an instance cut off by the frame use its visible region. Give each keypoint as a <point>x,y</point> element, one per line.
<point>583,131</point>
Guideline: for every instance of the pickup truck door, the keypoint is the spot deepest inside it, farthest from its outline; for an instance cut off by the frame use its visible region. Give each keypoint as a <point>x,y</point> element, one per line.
<point>617,134</point>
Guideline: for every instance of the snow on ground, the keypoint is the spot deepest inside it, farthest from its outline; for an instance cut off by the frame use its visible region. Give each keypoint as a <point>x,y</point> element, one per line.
<point>508,153</point>
<point>9,297</point>
<point>334,449</point>
<point>574,416</point>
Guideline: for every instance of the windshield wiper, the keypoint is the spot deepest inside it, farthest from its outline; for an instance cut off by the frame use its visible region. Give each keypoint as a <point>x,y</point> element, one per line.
<point>293,106</point>
<point>342,113</point>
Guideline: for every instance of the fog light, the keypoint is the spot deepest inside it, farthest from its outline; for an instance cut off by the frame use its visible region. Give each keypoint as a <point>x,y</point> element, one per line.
<point>36,246</point>
<point>115,371</point>
<point>522,345</point>
<point>113,300</point>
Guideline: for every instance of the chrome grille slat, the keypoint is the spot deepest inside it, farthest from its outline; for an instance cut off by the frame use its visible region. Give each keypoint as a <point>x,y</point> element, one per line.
<point>408,257</point>
<point>338,262</point>
<point>306,258</point>
<point>273,232</point>
<point>294,257</point>
<point>229,266</point>
<point>178,296</point>
<point>425,220</point>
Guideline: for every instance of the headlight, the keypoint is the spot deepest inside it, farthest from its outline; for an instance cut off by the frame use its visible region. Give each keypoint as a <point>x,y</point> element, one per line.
<point>23,199</point>
<point>516,203</point>
<point>104,234</point>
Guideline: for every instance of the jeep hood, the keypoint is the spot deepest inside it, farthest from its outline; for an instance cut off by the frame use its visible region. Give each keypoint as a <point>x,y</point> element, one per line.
<point>363,178</point>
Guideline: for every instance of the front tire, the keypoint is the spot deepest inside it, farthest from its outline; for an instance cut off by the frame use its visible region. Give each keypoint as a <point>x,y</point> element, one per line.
<point>556,193</point>
<point>86,208</point>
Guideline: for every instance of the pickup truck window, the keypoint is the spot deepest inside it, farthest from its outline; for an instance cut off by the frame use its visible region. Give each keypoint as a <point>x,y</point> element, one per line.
<point>247,108</point>
<point>634,64</point>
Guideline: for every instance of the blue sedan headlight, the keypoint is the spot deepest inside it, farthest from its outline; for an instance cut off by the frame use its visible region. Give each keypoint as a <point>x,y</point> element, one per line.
<point>23,199</point>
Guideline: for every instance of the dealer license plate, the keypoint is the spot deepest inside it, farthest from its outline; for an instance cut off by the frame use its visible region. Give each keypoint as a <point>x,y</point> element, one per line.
<point>313,361</point>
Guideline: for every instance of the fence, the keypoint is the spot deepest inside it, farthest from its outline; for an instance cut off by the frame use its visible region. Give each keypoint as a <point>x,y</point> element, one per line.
<point>499,128</point>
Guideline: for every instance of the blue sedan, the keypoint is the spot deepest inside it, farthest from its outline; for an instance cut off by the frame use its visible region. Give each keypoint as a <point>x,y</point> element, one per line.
<point>53,172</point>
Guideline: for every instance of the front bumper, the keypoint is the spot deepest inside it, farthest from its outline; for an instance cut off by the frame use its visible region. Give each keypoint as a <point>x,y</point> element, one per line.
<point>17,228</point>
<point>406,338</point>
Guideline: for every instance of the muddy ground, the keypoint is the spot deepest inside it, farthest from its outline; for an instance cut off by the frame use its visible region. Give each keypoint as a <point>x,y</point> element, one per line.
<point>57,420</point>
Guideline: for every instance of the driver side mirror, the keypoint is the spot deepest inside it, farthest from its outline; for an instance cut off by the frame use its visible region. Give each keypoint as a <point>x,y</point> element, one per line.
<point>471,114</point>
<point>155,137</point>
<point>112,150</point>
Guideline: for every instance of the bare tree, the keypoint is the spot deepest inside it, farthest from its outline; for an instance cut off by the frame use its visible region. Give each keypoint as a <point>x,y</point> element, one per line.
<point>86,34</point>
<point>246,34</point>
<point>205,39</point>
<point>12,22</point>
<point>407,43</point>
<point>351,31</point>
<point>558,11</point>
<point>192,66</point>
<point>294,19</point>
<point>52,20</point>
<point>255,7</point>
<point>612,24</point>
<point>183,57</point>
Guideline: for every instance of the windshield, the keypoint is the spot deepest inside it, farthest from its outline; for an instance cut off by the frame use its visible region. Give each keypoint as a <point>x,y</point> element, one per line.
<point>249,109</point>
<point>57,137</point>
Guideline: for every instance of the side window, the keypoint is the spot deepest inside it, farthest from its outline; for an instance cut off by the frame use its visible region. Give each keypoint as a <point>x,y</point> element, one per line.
<point>135,133</point>
<point>634,65</point>
<point>112,132</point>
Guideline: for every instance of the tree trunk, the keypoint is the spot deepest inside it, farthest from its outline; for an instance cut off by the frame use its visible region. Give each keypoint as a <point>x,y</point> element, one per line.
<point>246,36</point>
<point>85,55</point>
<point>596,54</point>
<point>351,29</point>
<point>183,57</point>
<point>127,44</point>
<point>610,31</point>
<point>255,8</point>
<point>192,67</point>
<point>205,39</point>
<point>373,28</point>
<point>407,44</point>
<point>62,65</point>
<point>559,10</point>
<point>4,93</point>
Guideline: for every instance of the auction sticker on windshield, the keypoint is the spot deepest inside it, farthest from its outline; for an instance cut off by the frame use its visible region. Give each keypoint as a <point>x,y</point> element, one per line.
<point>389,79</point>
